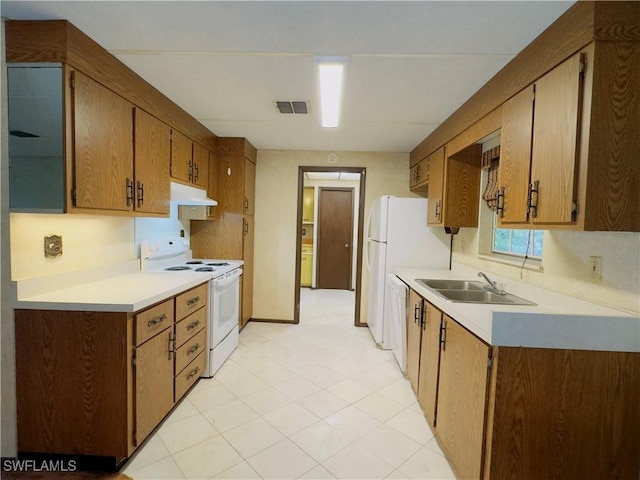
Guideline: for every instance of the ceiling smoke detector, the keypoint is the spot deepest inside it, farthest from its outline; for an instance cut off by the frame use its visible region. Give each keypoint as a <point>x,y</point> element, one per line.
<point>298,106</point>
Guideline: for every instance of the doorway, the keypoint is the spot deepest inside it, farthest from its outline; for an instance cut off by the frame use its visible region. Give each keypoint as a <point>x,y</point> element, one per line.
<point>341,210</point>
<point>335,234</point>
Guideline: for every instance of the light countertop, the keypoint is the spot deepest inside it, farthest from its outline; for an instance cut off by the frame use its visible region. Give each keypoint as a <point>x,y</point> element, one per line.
<point>557,321</point>
<point>121,289</point>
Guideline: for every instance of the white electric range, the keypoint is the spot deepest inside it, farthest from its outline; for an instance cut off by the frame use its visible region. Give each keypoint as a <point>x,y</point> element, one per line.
<point>173,256</point>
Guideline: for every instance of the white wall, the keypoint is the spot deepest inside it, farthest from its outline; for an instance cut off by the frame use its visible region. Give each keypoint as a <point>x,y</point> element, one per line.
<point>275,217</point>
<point>88,241</point>
<point>148,227</point>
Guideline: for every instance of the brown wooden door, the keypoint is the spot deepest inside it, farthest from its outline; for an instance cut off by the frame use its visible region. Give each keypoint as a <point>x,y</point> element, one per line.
<point>414,331</point>
<point>103,147</point>
<point>462,392</point>
<point>555,132</point>
<point>436,188</point>
<point>429,361</point>
<point>515,156</point>
<point>181,156</point>
<point>335,233</point>
<point>152,148</point>
<point>153,383</point>
<point>247,283</point>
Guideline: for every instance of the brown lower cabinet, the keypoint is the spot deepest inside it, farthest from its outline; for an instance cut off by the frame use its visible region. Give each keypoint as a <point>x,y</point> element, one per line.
<point>526,413</point>
<point>98,383</point>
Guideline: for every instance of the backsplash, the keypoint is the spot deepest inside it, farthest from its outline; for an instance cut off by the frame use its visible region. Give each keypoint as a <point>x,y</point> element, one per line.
<point>566,265</point>
<point>149,227</point>
<point>88,241</point>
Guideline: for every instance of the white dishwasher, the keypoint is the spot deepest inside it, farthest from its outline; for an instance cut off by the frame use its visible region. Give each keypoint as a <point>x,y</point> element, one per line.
<point>396,312</point>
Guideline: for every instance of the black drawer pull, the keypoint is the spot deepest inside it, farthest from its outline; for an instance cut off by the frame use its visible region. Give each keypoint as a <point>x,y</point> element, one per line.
<point>193,349</point>
<point>193,373</point>
<point>193,325</point>
<point>157,320</point>
<point>193,300</point>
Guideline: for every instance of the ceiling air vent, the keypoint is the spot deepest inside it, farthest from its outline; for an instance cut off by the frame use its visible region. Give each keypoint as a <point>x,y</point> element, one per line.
<point>285,106</point>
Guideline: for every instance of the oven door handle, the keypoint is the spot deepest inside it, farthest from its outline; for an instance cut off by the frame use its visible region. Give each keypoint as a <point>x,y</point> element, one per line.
<point>223,282</point>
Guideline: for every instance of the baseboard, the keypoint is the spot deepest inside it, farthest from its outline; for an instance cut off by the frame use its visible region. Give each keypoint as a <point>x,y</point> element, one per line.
<point>270,320</point>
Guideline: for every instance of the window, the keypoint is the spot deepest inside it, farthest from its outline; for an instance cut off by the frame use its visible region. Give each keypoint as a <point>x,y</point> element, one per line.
<point>516,242</point>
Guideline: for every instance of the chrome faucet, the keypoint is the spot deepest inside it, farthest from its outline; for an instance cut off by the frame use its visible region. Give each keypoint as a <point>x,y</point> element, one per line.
<point>493,286</point>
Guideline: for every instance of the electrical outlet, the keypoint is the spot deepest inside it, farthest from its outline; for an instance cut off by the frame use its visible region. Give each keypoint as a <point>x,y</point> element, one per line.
<point>596,268</point>
<point>52,246</point>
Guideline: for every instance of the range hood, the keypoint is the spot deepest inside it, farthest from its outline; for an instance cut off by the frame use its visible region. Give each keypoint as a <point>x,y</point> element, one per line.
<point>186,195</point>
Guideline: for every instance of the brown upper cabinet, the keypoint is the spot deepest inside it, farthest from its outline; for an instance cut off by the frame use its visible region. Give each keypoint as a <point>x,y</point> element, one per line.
<point>419,176</point>
<point>152,153</point>
<point>189,160</point>
<point>236,171</point>
<point>454,187</point>
<point>539,156</point>
<point>569,143</point>
<point>114,155</point>
<point>212,189</point>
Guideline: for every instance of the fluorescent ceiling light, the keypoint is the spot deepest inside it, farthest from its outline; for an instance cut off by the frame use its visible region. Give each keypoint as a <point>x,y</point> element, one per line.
<point>331,75</point>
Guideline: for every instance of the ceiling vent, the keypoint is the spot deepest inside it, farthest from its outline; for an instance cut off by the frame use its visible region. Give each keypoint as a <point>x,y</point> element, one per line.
<point>298,107</point>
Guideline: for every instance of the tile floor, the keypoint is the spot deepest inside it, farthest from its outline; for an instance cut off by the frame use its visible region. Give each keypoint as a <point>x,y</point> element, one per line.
<point>314,400</point>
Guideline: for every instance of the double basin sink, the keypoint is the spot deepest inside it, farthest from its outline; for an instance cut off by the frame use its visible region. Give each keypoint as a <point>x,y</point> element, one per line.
<point>468,291</point>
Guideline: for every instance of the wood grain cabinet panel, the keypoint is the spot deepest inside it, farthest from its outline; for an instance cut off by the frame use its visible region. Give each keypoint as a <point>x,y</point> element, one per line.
<point>102,146</point>
<point>249,187</point>
<point>212,189</point>
<point>152,321</point>
<point>462,395</point>
<point>189,375</point>
<point>248,245</point>
<point>200,165</point>
<point>153,383</point>
<point>429,361</point>
<point>414,332</point>
<point>181,157</point>
<point>152,149</point>
<point>190,325</point>
<point>454,187</point>
<point>419,177</point>
<point>191,300</point>
<point>190,350</point>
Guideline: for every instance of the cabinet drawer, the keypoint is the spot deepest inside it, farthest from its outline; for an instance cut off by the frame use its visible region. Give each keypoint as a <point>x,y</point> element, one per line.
<point>153,321</point>
<point>191,300</point>
<point>190,350</point>
<point>189,375</point>
<point>188,327</point>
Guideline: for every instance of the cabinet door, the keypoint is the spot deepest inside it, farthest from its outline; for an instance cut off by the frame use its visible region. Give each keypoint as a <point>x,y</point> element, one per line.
<point>435,213</point>
<point>103,147</point>
<point>212,189</point>
<point>462,392</point>
<point>231,184</point>
<point>429,361</point>
<point>181,157</point>
<point>305,269</point>
<point>419,175</point>
<point>249,187</point>
<point>414,331</point>
<point>152,163</point>
<point>555,133</point>
<point>515,157</point>
<point>200,171</point>
<point>247,273</point>
<point>153,383</point>
<point>308,205</point>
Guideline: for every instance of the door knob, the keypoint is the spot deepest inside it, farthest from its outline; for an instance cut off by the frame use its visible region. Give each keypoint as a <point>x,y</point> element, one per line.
<point>346,245</point>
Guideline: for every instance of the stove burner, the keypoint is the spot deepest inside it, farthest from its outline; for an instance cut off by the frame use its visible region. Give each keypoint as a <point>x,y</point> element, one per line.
<point>219,264</point>
<point>194,262</point>
<point>177,268</point>
<point>205,269</point>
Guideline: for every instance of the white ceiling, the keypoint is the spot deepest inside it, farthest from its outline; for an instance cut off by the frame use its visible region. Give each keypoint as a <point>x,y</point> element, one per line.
<point>411,64</point>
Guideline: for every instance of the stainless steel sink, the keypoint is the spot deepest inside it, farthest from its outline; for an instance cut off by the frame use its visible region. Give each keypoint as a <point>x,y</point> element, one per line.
<point>483,296</point>
<point>450,284</point>
<point>469,291</point>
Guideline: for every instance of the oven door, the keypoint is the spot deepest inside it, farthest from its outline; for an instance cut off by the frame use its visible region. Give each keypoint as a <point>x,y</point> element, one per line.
<point>225,307</point>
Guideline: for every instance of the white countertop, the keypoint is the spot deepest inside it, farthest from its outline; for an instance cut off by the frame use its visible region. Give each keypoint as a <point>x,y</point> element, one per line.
<point>114,289</point>
<point>557,321</point>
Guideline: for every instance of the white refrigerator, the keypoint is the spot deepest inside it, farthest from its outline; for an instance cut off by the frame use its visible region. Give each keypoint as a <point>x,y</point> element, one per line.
<point>397,236</point>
